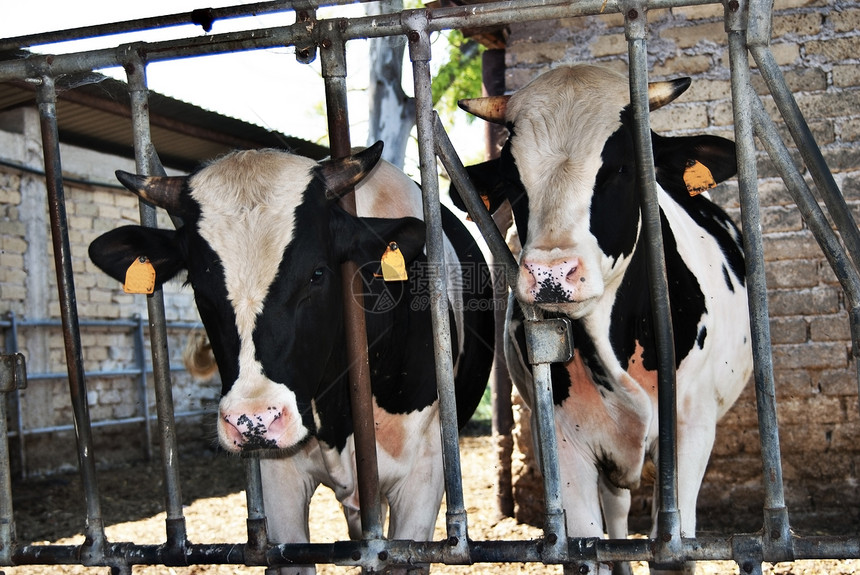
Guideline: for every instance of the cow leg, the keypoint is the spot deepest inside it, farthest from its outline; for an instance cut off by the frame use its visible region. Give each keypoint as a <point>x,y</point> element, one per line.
<point>288,486</point>
<point>696,432</point>
<point>615,502</point>
<point>580,498</point>
<point>415,498</point>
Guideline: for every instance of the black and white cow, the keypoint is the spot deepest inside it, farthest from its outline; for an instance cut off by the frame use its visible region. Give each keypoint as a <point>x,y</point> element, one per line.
<point>569,172</point>
<point>262,242</point>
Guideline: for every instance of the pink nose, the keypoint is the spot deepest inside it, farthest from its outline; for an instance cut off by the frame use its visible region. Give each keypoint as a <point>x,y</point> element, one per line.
<point>558,282</point>
<point>255,430</point>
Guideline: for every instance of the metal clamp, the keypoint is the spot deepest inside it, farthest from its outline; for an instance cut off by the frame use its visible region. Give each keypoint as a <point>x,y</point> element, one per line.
<point>13,372</point>
<point>549,340</point>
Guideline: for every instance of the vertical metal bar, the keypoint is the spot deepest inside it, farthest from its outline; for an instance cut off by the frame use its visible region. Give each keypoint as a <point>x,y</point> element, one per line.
<point>256,521</point>
<point>333,61</point>
<point>12,347</point>
<point>493,84</point>
<point>668,519</point>
<point>776,527</point>
<point>140,363</point>
<point>93,549</point>
<point>12,377</point>
<point>555,544</point>
<point>812,214</point>
<point>147,163</point>
<point>419,54</point>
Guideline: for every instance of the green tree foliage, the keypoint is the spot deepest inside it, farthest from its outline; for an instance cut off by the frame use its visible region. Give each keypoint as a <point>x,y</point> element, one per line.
<point>459,77</point>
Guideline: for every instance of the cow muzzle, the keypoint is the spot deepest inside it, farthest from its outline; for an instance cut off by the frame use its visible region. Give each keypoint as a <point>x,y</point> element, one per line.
<point>561,281</point>
<point>253,425</point>
<point>260,430</point>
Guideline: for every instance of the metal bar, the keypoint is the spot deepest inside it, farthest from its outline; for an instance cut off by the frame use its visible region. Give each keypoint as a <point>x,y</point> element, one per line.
<point>107,423</point>
<point>456,520</point>
<point>12,347</point>
<point>809,150</point>
<point>499,249</point>
<point>489,14</point>
<point>776,525</point>
<point>105,373</point>
<point>668,518</point>
<point>93,548</point>
<point>555,530</point>
<point>142,395</point>
<point>808,207</point>
<point>333,61</point>
<point>344,553</point>
<point>130,323</point>
<point>147,164</point>
<point>256,521</point>
<point>202,17</point>
<point>9,380</point>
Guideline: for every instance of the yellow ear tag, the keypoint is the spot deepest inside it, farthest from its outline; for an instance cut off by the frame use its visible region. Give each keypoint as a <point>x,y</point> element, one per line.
<point>698,178</point>
<point>140,277</point>
<point>393,265</point>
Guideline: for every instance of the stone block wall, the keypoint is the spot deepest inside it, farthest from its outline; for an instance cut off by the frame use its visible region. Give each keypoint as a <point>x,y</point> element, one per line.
<point>817,46</point>
<point>28,289</point>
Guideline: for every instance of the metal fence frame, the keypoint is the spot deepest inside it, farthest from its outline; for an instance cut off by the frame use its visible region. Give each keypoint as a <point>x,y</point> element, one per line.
<point>140,370</point>
<point>748,29</point>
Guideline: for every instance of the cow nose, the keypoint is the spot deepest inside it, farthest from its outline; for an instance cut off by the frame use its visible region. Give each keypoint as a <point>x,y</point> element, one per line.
<point>556,282</point>
<point>255,430</point>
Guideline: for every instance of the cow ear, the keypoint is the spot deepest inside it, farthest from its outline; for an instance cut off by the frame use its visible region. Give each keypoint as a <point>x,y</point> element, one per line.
<point>486,177</point>
<point>364,240</point>
<point>114,251</point>
<point>672,156</point>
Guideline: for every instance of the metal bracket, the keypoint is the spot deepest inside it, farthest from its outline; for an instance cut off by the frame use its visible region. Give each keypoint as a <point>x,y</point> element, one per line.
<point>13,372</point>
<point>549,340</point>
<point>306,52</point>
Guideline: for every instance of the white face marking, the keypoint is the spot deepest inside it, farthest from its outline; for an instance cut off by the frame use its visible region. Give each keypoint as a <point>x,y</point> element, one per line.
<point>561,123</point>
<point>247,201</point>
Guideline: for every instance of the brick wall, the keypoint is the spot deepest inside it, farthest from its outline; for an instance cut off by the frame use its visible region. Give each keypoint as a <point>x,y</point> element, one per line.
<point>28,288</point>
<point>817,45</point>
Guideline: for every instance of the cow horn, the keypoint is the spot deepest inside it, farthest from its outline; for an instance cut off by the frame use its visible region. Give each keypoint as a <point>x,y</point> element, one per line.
<point>343,174</point>
<point>661,93</point>
<point>490,108</point>
<point>161,191</point>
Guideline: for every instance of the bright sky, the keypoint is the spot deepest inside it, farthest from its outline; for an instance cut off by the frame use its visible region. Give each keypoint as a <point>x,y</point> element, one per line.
<point>265,87</point>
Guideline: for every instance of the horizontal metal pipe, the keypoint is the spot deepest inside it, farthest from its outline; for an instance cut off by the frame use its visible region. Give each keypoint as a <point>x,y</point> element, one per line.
<point>349,553</point>
<point>203,17</point>
<point>106,373</point>
<point>490,14</point>
<point>108,423</point>
<point>94,323</point>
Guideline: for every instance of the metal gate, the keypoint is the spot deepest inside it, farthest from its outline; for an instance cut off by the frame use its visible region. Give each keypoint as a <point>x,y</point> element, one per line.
<point>747,24</point>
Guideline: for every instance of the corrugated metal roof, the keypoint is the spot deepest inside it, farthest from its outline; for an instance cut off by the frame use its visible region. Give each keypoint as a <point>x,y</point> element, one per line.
<point>93,111</point>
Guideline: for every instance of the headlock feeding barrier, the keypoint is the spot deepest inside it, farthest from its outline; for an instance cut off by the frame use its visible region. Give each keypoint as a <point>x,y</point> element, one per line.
<point>748,26</point>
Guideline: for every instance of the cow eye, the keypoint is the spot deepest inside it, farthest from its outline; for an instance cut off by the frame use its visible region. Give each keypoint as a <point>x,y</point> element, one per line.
<point>318,275</point>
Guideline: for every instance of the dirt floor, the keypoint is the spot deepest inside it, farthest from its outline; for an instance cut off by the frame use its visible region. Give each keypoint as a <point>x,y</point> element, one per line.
<point>51,511</point>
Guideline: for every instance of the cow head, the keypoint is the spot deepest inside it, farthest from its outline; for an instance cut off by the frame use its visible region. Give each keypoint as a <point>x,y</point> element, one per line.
<point>568,169</point>
<point>262,242</point>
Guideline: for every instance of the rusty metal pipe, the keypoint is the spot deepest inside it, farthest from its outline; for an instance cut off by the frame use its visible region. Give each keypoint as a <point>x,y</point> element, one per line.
<point>93,548</point>
<point>333,60</point>
<point>147,163</point>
